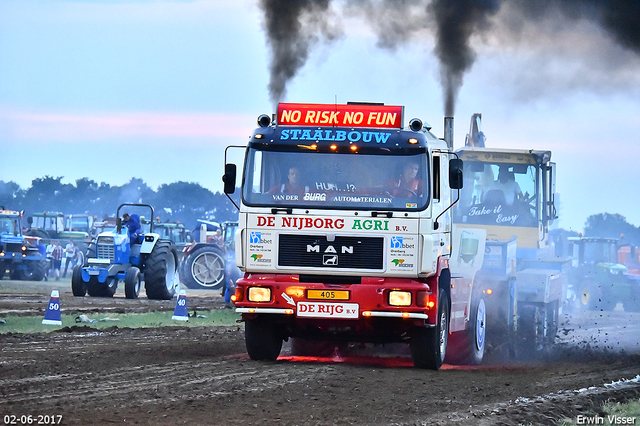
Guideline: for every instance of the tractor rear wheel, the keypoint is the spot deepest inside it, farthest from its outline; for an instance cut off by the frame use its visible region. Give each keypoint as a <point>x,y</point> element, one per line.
<point>78,286</point>
<point>204,268</point>
<point>161,271</point>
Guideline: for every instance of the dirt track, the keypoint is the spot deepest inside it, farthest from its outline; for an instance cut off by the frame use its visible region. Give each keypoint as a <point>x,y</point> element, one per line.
<point>179,375</point>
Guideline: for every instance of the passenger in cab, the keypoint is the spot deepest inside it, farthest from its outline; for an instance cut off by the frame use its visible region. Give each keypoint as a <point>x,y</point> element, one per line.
<point>407,184</point>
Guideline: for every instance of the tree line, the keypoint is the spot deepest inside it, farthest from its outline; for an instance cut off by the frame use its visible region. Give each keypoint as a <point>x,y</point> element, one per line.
<point>183,202</point>
<point>186,202</point>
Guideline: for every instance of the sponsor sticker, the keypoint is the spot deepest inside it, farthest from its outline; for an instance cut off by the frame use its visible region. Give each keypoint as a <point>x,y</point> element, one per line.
<point>396,242</point>
<point>328,310</point>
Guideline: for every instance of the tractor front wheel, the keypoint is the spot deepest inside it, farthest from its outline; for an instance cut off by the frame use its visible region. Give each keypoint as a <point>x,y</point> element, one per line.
<point>105,289</point>
<point>78,287</point>
<point>132,283</point>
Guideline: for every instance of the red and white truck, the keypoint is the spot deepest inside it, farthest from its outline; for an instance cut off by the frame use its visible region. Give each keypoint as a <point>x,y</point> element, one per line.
<point>345,235</point>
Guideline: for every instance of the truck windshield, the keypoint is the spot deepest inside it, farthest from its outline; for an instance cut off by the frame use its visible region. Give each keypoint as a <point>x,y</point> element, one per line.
<point>337,181</point>
<point>498,194</point>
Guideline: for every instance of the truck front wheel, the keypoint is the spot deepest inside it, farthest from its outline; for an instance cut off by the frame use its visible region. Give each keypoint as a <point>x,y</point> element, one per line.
<point>262,340</point>
<point>429,345</point>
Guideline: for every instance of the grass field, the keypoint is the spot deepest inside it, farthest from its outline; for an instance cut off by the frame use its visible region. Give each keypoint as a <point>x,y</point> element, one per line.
<point>33,324</point>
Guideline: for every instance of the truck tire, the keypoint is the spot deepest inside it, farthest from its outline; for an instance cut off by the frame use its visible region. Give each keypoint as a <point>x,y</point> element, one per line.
<point>132,283</point>
<point>467,347</point>
<point>317,348</point>
<point>105,289</point>
<point>262,340</point>
<point>531,342</point>
<point>553,319</point>
<point>78,287</point>
<point>204,268</point>
<point>161,268</point>
<point>429,345</point>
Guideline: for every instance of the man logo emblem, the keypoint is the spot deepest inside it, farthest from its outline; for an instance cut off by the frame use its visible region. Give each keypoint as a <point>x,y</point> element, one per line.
<point>330,260</point>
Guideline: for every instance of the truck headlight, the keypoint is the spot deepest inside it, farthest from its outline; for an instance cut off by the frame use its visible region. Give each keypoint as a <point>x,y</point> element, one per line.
<point>259,294</point>
<point>399,298</point>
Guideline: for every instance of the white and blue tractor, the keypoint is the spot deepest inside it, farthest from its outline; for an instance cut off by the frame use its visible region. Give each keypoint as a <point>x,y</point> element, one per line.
<point>132,257</point>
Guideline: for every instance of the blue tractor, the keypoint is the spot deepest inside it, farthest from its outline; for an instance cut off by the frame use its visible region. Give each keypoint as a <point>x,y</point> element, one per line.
<point>19,254</point>
<point>134,258</point>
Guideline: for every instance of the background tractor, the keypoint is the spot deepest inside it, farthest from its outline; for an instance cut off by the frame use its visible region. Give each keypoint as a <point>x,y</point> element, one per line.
<point>57,226</point>
<point>599,281</point>
<point>113,257</point>
<point>209,261</point>
<point>19,254</point>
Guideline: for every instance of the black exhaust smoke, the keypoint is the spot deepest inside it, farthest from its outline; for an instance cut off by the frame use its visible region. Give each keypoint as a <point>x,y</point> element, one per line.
<point>293,28</point>
<point>456,22</point>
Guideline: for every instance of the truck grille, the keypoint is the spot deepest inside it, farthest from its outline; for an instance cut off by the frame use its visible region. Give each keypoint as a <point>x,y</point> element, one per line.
<point>106,251</point>
<point>315,251</point>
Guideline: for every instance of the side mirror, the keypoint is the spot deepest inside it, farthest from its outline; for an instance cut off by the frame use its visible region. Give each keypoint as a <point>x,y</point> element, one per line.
<point>455,173</point>
<point>229,178</point>
<point>30,221</point>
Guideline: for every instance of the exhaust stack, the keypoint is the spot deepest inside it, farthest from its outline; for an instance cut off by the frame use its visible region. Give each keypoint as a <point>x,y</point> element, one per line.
<point>448,132</point>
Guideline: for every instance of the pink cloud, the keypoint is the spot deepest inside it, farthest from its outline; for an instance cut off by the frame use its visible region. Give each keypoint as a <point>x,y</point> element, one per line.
<point>99,126</point>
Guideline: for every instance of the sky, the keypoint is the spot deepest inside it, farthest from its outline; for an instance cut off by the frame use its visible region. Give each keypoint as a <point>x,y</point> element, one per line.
<point>155,90</point>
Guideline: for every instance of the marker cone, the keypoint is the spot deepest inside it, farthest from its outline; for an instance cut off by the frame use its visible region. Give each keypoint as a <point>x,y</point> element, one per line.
<point>52,314</point>
<point>180,313</point>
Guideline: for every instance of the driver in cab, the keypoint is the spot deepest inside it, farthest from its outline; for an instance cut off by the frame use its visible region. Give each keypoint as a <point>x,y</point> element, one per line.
<point>292,185</point>
<point>407,184</point>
